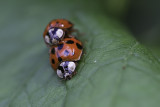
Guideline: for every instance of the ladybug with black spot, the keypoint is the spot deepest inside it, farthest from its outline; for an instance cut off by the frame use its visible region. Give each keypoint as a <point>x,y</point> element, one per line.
<point>64,57</point>
<point>56,30</point>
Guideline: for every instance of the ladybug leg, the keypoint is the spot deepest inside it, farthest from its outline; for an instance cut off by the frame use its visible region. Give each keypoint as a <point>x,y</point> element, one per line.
<point>74,73</point>
<point>49,51</point>
<point>70,36</point>
<point>76,31</point>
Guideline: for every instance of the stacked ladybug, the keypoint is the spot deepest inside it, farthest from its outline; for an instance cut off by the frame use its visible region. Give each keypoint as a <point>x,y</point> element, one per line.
<point>65,50</point>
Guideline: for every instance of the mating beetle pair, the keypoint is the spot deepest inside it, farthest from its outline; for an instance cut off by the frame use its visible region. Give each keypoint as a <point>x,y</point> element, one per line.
<point>65,50</point>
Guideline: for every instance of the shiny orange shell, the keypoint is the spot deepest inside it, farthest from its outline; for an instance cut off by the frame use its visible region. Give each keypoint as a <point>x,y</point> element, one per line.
<point>60,23</point>
<point>70,49</point>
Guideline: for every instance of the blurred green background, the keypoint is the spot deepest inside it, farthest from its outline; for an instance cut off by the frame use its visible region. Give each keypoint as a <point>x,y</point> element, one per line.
<point>140,16</point>
<point>120,67</point>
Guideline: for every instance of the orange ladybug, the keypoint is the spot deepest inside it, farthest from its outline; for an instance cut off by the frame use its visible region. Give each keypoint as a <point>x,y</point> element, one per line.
<point>64,56</point>
<point>56,30</point>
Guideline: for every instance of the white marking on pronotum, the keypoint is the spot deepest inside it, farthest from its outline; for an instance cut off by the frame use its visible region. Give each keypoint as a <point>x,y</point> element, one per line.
<point>50,31</point>
<point>54,41</point>
<point>95,61</point>
<point>59,73</point>
<point>47,39</point>
<point>66,74</point>
<point>62,64</point>
<point>71,66</point>
<point>59,33</point>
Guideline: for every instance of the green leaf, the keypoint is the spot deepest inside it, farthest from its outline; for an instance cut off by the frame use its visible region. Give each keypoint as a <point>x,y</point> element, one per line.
<point>115,70</point>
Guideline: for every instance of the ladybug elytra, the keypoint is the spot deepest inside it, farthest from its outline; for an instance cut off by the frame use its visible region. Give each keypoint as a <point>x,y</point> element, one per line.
<point>64,57</point>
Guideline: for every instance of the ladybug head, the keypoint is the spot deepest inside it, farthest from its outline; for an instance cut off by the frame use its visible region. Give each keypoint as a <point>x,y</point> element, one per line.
<point>54,36</point>
<point>66,70</point>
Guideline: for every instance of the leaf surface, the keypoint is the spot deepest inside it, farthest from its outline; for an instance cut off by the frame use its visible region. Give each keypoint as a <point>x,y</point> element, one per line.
<point>115,70</point>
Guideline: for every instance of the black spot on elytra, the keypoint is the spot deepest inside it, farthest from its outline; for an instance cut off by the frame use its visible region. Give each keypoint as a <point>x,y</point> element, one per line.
<point>59,59</point>
<point>66,53</point>
<point>60,46</point>
<point>79,46</point>
<point>61,68</point>
<point>70,42</point>
<point>53,62</point>
<point>57,22</point>
<point>53,51</point>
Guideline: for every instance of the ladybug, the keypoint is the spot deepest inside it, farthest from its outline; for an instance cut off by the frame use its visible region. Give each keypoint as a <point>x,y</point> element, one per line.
<point>56,30</point>
<point>64,57</point>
